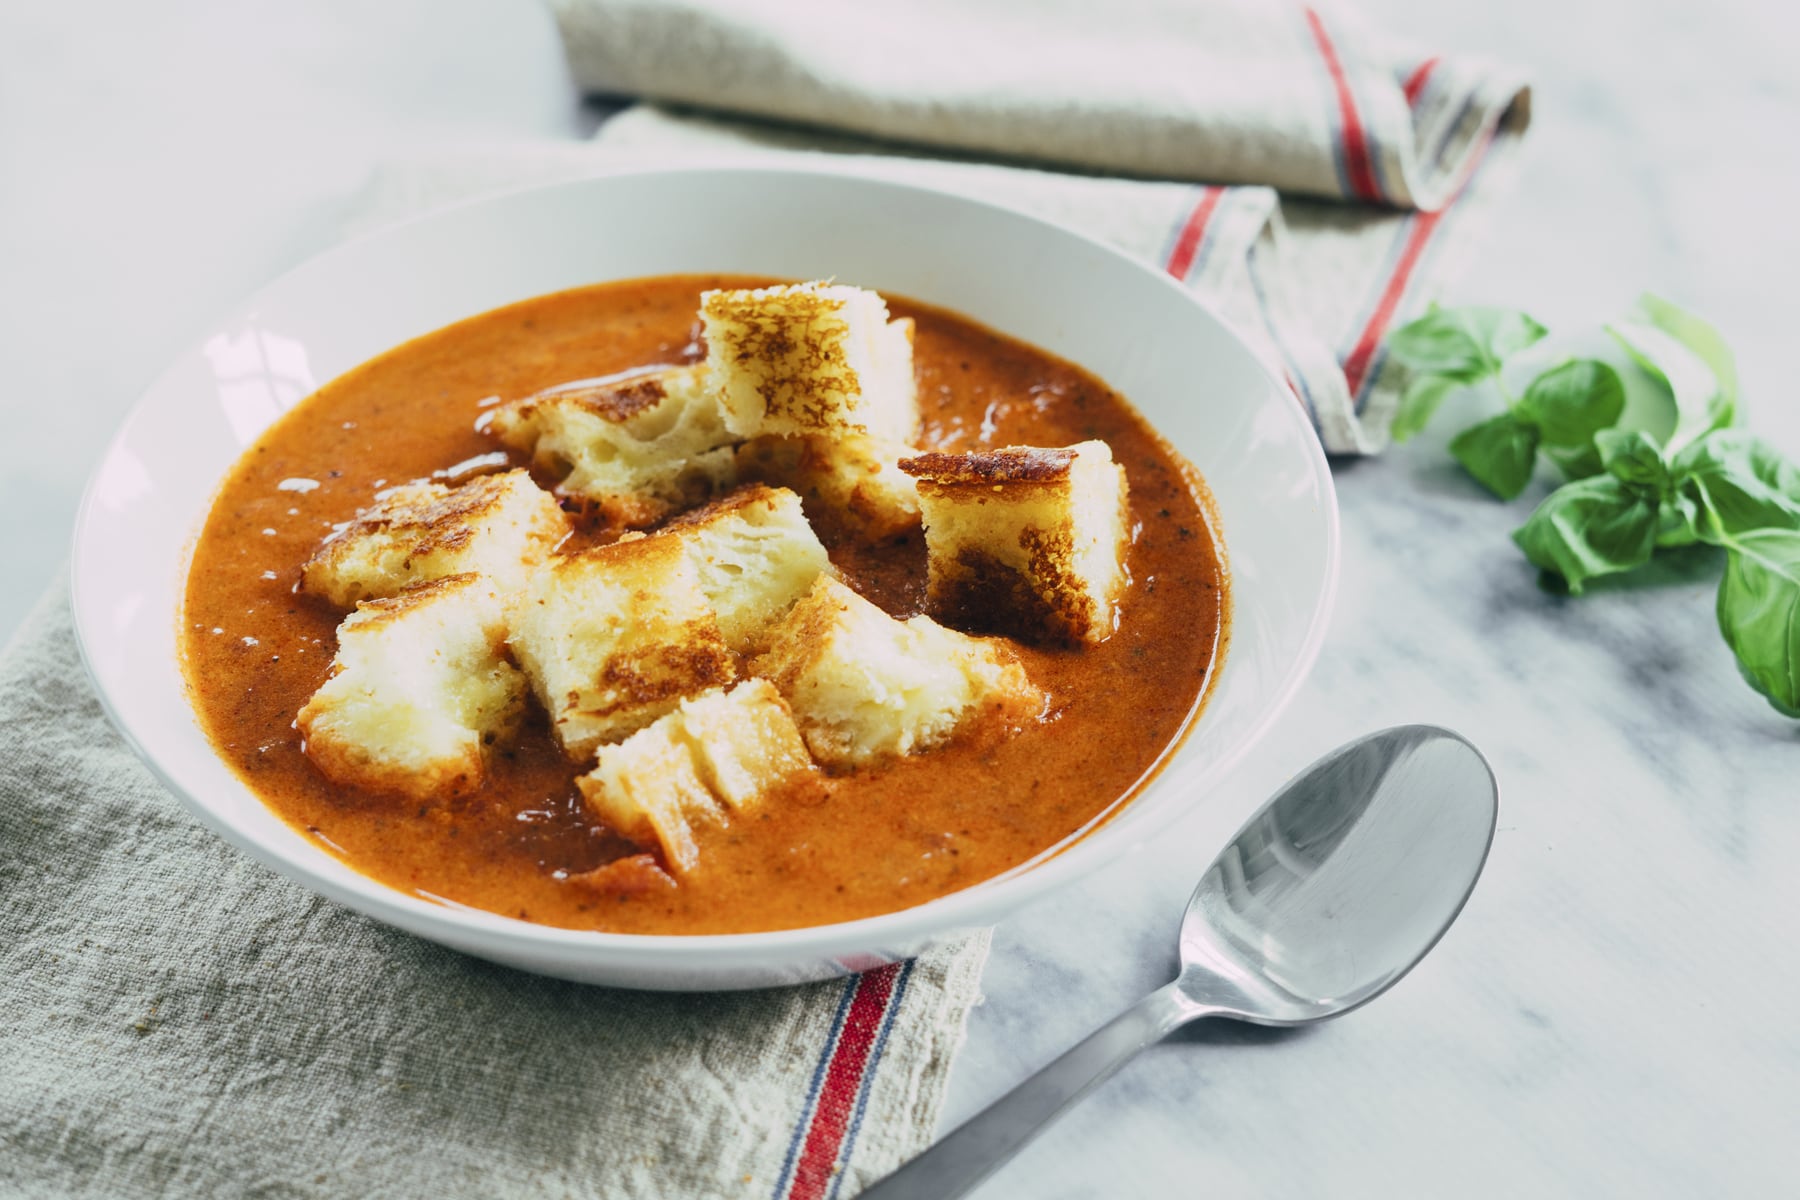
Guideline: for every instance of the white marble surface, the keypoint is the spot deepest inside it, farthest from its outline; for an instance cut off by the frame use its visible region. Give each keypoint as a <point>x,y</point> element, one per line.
<point>1609,1017</point>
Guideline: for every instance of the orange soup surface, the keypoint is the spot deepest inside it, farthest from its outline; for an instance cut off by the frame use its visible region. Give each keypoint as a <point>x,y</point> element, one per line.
<point>873,840</point>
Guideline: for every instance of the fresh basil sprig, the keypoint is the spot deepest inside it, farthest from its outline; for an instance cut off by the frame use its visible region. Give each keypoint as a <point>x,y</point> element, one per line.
<point>1643,478</point>
<point>1559,413</point>
<point>1748,498</point>
<point>1759,613</point>
<point>1728,489</point>
<point>1453,348</point>
<point>1603,524</point>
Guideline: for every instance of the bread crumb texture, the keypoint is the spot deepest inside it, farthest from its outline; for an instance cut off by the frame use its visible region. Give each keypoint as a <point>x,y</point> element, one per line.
<point>631,448</point>
<point>755,554</point>
<point>420,692</point>
<point>809,358</point>
<point>865,686</point>
<point>853,481</point>
<point>500,526</point>
<point>1025,541</point>
<point>612,638</point>
<point>717,756</point>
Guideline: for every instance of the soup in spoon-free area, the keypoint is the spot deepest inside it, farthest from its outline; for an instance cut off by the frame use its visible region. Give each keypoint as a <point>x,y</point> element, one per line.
<point>703,604</point>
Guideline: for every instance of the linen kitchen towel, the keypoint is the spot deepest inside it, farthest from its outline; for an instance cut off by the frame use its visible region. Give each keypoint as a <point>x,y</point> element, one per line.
<point>1383,153</point>
<point>178,1021</point>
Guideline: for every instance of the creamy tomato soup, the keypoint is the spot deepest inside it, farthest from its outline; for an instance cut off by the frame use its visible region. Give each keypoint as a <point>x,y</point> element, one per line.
<point>870,841</point>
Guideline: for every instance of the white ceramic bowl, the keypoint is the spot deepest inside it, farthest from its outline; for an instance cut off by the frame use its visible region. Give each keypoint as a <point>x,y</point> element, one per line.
<point>1133,326</point>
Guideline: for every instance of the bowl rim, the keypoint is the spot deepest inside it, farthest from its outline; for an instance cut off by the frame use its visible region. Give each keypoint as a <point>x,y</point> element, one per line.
<point>972,907</point>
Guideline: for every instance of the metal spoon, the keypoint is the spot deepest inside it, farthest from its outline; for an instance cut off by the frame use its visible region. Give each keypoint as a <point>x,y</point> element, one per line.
<point>1323,900</point>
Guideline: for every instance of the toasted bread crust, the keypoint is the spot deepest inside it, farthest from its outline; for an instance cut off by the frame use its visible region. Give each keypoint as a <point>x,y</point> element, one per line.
<point>658,676</point>
<point>351,765</point>
<point>739,500</point>
<point>375,614</point>
<point>628,449</point>
<point>809,358</point>
<point>500,524</point>
<point>978,591</point>
<point>677,781</point>
<point>850,484</point>
<point>615,398</point>
<point>864,686</point>
<point>419,693</point>
<point>1009,464</point>
<point>755,554</point>
<point>1025,541</point>
<point>790,340</point>
<point>613,637</point>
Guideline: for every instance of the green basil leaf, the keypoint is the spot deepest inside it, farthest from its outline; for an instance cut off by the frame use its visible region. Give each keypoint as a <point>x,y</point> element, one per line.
<point>1575,462</point>
<point>1634,458</point>
<point>1507,332</point>
<point>1588,528</point>
<point>1699,337</point>
<point>1572,402</point>
<point>1759,613</point>
<point>1419,401</point>
<point>1742,481</point>
<point>1466,344</point>
<point>1499,453</point>
<point>1677,521</point>
<point>1700,405</point>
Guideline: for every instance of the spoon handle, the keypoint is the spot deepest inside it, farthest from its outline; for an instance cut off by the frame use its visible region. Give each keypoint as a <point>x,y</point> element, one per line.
<point>987,1140</point>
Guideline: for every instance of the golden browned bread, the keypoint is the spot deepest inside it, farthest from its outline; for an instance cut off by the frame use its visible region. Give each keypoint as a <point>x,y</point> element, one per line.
<point>1025,541</point>
<point>648,788</point>
<point>497,525</point>
<point>718,755</point>
<point>864,686</point>
<point>809,358</point>
<point>419,692</point>
<point>746,742</point>
<point>852,480</point>
<point>633,447</point>
<point>612,638</point>
<point>755,554</point>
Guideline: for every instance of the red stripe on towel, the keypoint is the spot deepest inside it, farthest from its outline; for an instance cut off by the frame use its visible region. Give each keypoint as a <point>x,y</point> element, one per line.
<point>1415,83</point>
<point>1193,232</point>
<point>843,1082</point>
<point>1357,364</point>
<point>1358,168</point>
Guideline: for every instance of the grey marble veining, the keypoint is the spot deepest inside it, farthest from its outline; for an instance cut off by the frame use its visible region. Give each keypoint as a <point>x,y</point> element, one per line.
<point>1609,1016</point>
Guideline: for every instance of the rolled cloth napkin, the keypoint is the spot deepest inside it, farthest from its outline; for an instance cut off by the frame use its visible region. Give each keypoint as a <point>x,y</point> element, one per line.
<point>1332,178</point>
<point>175,1020</point>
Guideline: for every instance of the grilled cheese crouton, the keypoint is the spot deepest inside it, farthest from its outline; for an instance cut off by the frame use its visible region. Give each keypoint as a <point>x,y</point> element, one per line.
<point>755,555</point>
<point>718,755</point>
<point>648,788</point>
<point>496,525</point>
<point>747,743</point>
<point>809,358</point>
<point>419,692</point>
<point>852,481</point>
<point>1025,541</point>
<point>612,638</point>
<point>633,447</point>
<point>864,685</point>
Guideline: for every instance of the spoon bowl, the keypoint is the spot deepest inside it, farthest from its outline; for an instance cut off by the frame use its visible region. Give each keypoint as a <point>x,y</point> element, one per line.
<point>1341,882</point>
<point>1331,893</point>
